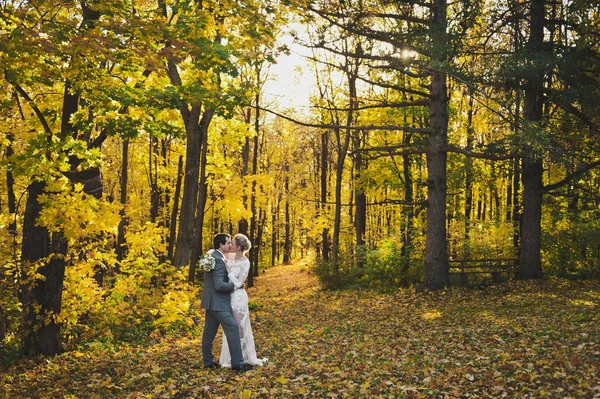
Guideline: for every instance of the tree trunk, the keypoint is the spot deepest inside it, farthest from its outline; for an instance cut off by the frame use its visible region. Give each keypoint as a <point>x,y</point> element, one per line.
<point>469,179</point>
<point>10,188</point>
<point>153,174</point>
<point>530,263</point>
<point>516,179</point>
<point>342,147</point>
<point>243,224</point>
<point>41,297</point>
<point>436,259</point>
<point>287,249</point>
<point>121,246</point>
<point>360,199</point>
<point>257,244</point>
<point>12,225</point>
<point>407,236</point>
<point>175,211</point>
<point>187,217</point>
<point>275,209</point>
<point>202,194</point>
<point>253,220</point>
<point>324,176</point>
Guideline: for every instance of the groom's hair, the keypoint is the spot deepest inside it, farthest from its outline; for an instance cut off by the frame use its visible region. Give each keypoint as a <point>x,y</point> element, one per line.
<point>220,239</point>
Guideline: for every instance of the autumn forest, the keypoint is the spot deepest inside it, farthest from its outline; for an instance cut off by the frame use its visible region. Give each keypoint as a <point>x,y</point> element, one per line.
<point>450,152</point>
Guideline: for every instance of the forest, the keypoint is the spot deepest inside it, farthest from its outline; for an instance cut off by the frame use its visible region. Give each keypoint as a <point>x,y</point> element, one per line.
<point>438,133</point>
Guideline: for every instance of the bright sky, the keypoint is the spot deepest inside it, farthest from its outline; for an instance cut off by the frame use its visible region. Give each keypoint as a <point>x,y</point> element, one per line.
<point>289,84</point>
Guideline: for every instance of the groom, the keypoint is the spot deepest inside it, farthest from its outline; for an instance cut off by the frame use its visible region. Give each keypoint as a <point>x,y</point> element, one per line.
<point>216,299</point>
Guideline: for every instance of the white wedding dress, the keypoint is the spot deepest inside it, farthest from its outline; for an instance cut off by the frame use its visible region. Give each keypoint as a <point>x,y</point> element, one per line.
<point>238,271</point>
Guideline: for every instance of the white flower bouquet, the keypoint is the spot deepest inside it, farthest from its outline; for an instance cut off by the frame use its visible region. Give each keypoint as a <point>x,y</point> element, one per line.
<point>207,263</point>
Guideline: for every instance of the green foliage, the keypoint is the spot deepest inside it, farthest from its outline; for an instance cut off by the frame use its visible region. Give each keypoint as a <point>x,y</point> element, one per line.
<point>570,243</point>
<point>384,269</point>
<point>336,274</point>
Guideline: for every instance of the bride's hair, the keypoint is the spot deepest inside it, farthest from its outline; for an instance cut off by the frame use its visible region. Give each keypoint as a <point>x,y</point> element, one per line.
<point>242,241</point>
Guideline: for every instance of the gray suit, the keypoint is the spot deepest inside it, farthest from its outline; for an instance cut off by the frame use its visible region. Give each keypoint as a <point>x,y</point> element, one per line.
<point>216,299</point>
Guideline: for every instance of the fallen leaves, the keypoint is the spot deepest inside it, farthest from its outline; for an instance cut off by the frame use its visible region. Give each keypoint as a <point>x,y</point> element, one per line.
<point>527,339</point>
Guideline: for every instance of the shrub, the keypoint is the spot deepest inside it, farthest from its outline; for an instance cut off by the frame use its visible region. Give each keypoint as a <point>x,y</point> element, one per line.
<point>384,268</point>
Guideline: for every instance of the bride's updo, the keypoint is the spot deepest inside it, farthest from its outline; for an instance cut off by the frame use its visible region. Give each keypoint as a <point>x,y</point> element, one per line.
<point>242,241</point>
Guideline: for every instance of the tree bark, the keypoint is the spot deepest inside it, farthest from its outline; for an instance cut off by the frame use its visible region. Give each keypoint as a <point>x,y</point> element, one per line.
<point>41,297</point>
<point>153,174</point>
<point>407,236</point>
<point>530,262</point>
<point>469,179</point>
<point>121,246</point>
<point>254,219</point>
<point>243,223</point>
<point>436,258</point>
<point>287,249</point>
<point>10,188</point>
<point>175,211</point>
<point>324,176</point>
<point>185,234</point>
<point>360,199</point>
<point>202,194</point>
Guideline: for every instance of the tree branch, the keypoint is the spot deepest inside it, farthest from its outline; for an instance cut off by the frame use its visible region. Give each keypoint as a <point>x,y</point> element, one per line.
<point>419,103</point>
<point>328,126</point>
<point>32,104</point>
<point>482,155</point>
<point>571,177</point>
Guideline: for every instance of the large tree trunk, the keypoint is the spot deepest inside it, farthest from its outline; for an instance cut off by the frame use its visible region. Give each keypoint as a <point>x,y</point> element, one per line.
<point>202,195</point>
<point>436,258</point>
<point>41,296</point>
<point>35,246</point>
<point>187,216</point>
<point>530,262</point>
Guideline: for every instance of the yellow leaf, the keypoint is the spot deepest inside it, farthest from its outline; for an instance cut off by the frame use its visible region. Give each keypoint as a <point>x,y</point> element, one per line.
<point>281,380</point>
<point>246,394</point>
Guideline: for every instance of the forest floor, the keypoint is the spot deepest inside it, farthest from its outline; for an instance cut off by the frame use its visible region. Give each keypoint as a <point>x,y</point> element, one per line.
<point>518,339</point>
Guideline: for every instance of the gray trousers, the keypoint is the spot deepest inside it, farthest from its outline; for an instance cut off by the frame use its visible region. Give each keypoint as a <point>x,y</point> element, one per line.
<point>232,332</point>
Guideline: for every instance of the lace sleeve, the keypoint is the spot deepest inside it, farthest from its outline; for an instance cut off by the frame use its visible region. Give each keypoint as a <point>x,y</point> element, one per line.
<point>238,277</point>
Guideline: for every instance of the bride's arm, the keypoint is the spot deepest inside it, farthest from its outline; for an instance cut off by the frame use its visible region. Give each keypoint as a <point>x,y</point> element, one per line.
<point>240,278</point>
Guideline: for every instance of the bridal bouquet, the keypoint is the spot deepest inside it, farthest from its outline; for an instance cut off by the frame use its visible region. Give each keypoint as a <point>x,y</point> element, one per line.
<point>207,263</point>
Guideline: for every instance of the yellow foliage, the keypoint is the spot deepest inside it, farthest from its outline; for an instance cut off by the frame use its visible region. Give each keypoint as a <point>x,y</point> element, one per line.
<point>175,306</point>
<point>81,297</point>
<point>77,214</point>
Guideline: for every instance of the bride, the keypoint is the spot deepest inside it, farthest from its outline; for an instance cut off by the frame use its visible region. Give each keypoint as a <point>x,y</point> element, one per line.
<point>238,267</point>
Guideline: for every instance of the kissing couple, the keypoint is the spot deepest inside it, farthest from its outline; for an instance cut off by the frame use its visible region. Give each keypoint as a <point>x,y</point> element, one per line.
<point>226,303</point>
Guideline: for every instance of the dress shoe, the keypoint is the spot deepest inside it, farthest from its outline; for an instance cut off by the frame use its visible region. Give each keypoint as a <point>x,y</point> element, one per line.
<point>242,369</point>
<point>212,365</point>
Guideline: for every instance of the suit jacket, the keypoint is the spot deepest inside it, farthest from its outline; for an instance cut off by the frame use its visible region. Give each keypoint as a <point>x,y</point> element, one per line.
<point>217,287</point>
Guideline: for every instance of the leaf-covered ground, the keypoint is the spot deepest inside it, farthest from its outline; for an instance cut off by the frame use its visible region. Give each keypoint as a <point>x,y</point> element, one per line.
<point>521,339</point>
